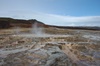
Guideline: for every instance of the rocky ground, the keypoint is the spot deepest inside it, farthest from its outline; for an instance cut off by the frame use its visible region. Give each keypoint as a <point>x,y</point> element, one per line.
<point>53,47</point>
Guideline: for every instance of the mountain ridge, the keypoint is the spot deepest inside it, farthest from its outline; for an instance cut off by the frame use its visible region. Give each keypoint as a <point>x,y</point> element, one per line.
<point>10,22</point>
<point>6,22</point>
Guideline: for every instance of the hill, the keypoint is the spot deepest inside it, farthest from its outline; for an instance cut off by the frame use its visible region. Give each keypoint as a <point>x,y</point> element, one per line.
<point>10,22</point>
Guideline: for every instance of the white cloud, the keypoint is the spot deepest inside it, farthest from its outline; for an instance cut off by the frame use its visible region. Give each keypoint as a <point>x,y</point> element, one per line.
<point>56,19</point>
<point>76,19</point>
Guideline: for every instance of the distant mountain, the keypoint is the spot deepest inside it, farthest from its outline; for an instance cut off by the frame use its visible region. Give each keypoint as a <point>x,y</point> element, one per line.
<point>10,22</point>
<point>77,27</point>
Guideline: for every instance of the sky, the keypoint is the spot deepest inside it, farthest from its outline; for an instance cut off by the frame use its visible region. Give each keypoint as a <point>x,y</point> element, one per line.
<point>54,12</point>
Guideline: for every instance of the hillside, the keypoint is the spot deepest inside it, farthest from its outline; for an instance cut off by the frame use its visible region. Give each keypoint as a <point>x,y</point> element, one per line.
<point>10,22</point>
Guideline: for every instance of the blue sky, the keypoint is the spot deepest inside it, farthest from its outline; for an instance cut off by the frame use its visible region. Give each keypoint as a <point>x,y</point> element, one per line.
<point>54,12</point>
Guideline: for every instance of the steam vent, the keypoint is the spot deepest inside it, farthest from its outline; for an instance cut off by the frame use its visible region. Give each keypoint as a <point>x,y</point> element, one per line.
<point>48,46</point>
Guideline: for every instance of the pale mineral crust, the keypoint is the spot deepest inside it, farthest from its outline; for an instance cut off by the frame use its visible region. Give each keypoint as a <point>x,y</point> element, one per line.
<point>65,47</point>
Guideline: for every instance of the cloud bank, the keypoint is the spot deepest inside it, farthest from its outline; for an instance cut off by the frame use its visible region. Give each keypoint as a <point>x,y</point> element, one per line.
<point>54,19</point>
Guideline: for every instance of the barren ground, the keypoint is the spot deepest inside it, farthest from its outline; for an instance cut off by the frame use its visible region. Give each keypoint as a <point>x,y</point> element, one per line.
<point>50,47</point>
